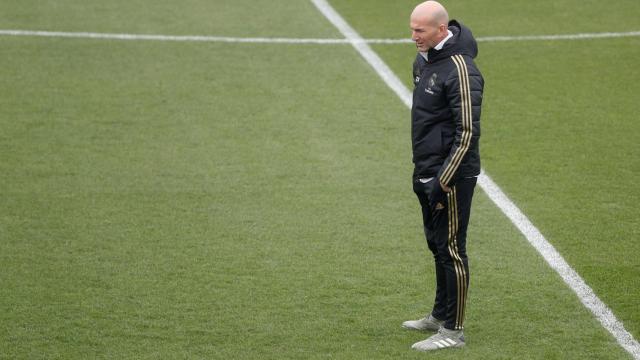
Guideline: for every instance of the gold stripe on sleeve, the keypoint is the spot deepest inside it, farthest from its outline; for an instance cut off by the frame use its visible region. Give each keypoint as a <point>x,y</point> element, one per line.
<point>466,114</point>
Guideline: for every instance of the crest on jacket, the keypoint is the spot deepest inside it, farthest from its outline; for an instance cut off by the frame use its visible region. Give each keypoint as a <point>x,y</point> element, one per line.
<point>431,83</point>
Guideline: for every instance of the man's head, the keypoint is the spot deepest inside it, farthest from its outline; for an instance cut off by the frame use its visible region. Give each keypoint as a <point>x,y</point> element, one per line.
<point>428,22</point>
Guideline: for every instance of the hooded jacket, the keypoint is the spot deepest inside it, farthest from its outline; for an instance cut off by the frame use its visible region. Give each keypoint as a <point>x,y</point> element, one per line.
<point>445,116</point>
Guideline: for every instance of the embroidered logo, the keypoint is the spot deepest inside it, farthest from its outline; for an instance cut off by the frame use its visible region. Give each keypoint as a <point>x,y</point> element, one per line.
<point>431,83</point>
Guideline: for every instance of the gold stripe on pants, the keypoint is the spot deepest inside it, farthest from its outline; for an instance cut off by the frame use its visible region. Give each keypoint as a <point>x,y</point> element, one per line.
<point>458,264</point>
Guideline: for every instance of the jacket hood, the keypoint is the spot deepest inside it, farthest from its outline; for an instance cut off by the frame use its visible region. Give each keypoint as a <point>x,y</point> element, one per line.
<point>461,43</point>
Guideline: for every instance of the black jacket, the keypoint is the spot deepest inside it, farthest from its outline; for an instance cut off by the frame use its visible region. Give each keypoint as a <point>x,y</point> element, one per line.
<point>445,116</point>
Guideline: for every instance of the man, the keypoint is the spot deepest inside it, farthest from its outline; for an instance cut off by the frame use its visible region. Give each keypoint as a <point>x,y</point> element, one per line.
<point>445,129</point>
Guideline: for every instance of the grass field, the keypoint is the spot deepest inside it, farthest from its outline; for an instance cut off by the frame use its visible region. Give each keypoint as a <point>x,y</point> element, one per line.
<point>253,201</point>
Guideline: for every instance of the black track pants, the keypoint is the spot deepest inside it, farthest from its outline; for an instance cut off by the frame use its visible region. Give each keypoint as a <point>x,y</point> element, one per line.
<point>445,227</point>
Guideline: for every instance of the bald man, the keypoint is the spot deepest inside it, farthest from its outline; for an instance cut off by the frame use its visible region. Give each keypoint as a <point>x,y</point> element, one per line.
<point>445,129</point>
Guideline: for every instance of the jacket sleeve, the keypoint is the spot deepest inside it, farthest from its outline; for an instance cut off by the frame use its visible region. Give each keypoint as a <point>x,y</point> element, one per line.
<point>464,95</point>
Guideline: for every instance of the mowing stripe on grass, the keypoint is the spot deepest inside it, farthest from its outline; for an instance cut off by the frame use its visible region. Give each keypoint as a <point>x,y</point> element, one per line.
<point>277,40</point>
<point>533,235</point>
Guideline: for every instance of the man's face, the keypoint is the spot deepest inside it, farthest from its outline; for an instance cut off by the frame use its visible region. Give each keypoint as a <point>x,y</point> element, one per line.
<point>425,35</point>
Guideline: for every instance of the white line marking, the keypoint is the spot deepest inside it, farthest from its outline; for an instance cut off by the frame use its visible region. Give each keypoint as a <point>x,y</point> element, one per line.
<point>557,263</point>
<point>533,235</point>
<point>186,38</point>
<point>582,36</point>
<point>266,40</point>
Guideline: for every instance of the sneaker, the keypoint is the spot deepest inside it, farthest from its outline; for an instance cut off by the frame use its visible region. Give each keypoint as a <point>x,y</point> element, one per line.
<point>427,323</point>
<point>445,338</point>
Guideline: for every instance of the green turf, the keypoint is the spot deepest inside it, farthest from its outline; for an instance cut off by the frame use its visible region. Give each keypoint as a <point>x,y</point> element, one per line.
<point>581,189</point>
<point>390,19</point>
<point>172,200</point>
<point>249,18</point>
